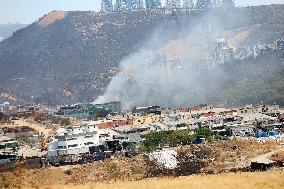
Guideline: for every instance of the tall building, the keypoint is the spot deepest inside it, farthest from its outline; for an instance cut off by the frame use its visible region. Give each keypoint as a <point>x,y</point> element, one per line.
<point>228,4</point>
<point>226,55</point>
<point>217,3</point>
<point>189,4</point>
<point>106,6</point>
<point>279,44</point>
<point>137,4</point>
<point>221,52</point>
<point>153,4</point>
<point>203,4</point>
<point>122,5</point>
<point>172,4</point>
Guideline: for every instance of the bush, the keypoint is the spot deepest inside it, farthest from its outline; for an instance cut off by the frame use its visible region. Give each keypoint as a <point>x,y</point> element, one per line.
<point>157,140</point>
<point>39,117</point>
<point>68,172</point>
<point>65,122</point>
<point>203,132</point>
<point>102,113</point>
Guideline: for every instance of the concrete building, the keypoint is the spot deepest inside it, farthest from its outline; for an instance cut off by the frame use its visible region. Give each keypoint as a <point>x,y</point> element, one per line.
<point>279,44</point>
<point>73,141</point>
<point>221,51</point>
<point>84,111</point>
<point>226,55</point>
<point>188,4</point>
<point>203,4</point>
<point>122,5</point>
<point>106,6</point>
<point>128,5</point>
<point>241,129</point>
<point>147,119</point>
<point>173,4</point>
<point>153,4</point>
<point>217,3</point>
<point>79,111</point>
<point>114,107</point>
<point>228,4</point>
<point>8,149</point>
<point>137,4</point>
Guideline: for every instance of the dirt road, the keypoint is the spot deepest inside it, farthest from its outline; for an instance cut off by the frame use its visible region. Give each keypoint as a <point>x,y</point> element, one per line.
<point>265,158</point>
<point>40,128</point>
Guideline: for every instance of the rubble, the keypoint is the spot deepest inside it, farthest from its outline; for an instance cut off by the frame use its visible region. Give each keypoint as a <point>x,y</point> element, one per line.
<point>165,158</point>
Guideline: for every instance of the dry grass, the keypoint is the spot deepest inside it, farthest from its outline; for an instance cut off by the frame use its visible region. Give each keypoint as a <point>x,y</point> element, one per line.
<point>278,157</point>
<point>128,169</point>
<point>264,180</point>
<point>245,148</point>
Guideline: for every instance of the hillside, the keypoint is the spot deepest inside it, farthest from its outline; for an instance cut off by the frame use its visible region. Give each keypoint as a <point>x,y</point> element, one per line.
<point>68,57</point>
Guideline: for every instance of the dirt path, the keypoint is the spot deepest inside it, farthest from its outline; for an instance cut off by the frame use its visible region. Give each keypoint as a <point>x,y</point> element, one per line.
<point>265,158</point>
<point>40,128</point>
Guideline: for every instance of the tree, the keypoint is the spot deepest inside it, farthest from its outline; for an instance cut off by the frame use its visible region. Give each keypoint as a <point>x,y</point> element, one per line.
<point>203,132</point>
<point>39,117</point>
<point>229,132</point>
<point>65,122</point>
<point>102,113</point>
<point>156,140</point>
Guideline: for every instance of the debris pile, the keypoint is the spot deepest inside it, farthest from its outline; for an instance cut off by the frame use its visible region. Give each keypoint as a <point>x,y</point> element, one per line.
<point>166,158</point>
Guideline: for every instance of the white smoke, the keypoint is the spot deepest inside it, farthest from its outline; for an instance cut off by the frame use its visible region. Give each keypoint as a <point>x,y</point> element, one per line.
<point>150,77</point>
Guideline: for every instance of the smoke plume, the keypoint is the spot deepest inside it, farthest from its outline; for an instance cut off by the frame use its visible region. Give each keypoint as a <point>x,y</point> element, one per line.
<point>173,68</point>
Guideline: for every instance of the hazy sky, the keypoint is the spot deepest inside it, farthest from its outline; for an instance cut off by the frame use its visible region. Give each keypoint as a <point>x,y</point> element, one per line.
<point>27,11</point>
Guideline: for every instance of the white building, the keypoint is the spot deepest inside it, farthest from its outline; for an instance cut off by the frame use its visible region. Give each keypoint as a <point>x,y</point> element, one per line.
<point>137,4</point>
<point>173,4</point>
<point>8,149</point>
<point>189,4</point>
<point>106,6</point>
<point>74,140</point>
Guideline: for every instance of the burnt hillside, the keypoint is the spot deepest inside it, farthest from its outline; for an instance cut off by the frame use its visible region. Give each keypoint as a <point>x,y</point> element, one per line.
<point>68,57</point>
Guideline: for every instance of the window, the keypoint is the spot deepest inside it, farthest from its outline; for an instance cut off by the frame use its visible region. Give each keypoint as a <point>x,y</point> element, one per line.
<point>68,139</point>
<point>72,146</point>
<point>89,143</point>
<point>61,147</point>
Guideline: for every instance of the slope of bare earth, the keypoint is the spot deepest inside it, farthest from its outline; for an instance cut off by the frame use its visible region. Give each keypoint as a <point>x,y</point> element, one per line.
<point>264,180</point>
<point>226,156</point>
<point>41,129</point>
<point>5,97</point>
<point>255,34</point>
<point>51,18</point>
